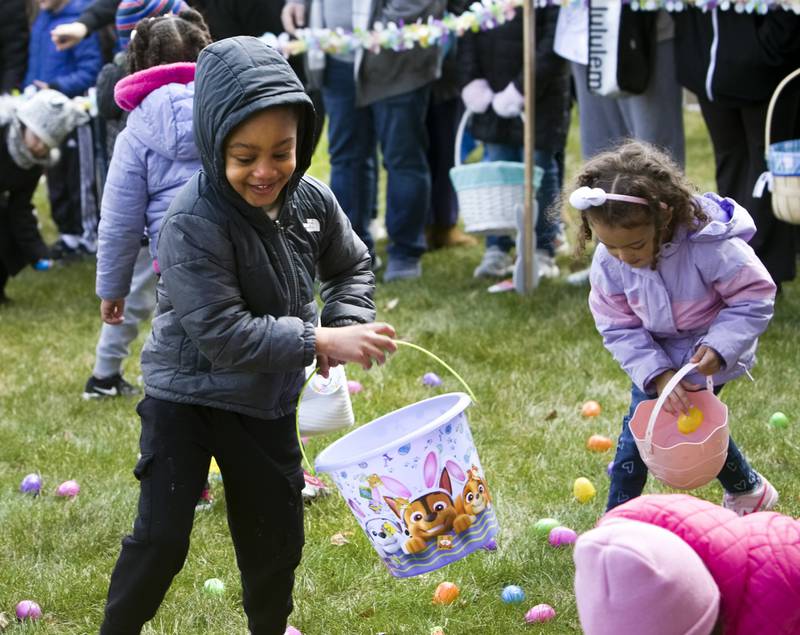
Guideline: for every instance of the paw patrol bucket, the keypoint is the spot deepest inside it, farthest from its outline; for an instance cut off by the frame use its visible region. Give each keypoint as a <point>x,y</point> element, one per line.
<point>683,461</point>
<point>413,480</point>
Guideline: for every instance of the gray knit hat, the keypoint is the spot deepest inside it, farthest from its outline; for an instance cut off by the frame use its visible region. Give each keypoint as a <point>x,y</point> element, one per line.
<point>51,116</point>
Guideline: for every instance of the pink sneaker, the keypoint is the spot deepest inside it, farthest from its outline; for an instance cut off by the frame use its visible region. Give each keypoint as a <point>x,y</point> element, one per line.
<point>761,499</point>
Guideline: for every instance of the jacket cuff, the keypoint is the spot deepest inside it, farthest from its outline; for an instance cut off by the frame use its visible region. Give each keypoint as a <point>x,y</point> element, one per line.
<point>309,343</point>
<point>342,322</point>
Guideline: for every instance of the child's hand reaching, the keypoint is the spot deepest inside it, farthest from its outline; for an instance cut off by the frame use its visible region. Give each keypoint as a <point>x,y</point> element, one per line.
<point>707,359</point>
<point>678,401</point>
<point>361,343</point>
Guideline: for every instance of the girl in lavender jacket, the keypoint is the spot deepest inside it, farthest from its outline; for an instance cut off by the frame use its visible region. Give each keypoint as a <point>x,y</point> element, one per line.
<point>673,281</point>
<point>154,156</point>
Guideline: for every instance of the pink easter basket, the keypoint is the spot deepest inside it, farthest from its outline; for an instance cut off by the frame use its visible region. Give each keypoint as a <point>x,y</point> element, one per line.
<point>682,461</point>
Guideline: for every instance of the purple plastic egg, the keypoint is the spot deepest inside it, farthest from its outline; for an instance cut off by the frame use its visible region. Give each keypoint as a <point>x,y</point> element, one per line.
<point>490,545</point>
<point>69,489</point>
<point>28,610</point>
<point>31,484</point>
<point>610,467</point>
<point>560,536</point>
<point>431,379</point>
<point>540,613</point>
<point>354,387</point>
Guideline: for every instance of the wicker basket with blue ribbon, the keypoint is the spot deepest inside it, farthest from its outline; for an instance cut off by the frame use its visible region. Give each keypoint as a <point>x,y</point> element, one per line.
<point>490,193</point>
<point>783,167</point>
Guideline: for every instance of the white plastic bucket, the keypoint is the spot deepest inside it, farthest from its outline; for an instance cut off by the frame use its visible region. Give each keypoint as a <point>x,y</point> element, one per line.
<point>414,482</point>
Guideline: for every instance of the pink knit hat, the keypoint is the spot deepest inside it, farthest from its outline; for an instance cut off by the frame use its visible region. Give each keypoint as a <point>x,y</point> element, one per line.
<point>632,577</point>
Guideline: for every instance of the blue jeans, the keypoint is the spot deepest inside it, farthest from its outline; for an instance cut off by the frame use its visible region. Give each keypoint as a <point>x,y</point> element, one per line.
<point>629,473</point>
<point>546,224</point>
<point>398,124</point>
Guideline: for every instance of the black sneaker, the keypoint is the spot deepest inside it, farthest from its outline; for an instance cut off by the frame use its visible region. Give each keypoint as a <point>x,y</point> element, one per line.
<point>114,386</point>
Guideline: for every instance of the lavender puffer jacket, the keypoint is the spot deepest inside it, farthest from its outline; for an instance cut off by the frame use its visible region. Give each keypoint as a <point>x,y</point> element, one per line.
<point>755,559</point>
<point>153,158</point>
<point>709,288</point>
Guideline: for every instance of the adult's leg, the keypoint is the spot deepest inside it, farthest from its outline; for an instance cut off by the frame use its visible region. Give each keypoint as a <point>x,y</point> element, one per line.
<point>260,465</point>
<point>656,115</point>
<point>601,122</point>
<point>352,148</point>
<point>547,222</point>
<point>441,122</point>
<point>63,186</point>
<point>400,124</point>
<point>113,345</point>
<point>172,471</point>
<point>629,473</point>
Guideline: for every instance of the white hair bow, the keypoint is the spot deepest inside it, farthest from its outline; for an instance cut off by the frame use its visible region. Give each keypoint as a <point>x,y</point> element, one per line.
<point>585,197</point>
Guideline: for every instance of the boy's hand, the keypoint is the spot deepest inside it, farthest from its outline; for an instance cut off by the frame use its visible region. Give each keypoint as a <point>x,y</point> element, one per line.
<point>325,363</point>
<point>678,401</point>
<point>708,360</point>
<point>65,36</point>
<point>111,311</point>
<point>363,344</point>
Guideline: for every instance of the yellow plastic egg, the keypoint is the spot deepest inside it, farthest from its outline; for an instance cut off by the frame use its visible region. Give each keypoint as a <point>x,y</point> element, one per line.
<point>583,490</point>
<point>688,423</point>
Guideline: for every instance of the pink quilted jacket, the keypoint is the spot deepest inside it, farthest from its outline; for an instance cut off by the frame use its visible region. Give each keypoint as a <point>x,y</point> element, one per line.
<point>755,560</point>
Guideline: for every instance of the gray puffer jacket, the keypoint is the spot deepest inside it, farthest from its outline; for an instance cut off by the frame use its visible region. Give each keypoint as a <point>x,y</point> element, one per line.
<point>235,318</point>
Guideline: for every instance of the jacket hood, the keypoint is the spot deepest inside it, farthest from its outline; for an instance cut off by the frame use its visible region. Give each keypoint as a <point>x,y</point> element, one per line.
<point>728,220</point>
<point>236,78</point>
<point>163,122</point>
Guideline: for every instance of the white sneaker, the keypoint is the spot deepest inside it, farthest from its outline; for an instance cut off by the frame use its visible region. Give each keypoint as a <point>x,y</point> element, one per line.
<point>579,278</point>
<point>762,498</point>
<point>546,264</point>
<point>495,263</point>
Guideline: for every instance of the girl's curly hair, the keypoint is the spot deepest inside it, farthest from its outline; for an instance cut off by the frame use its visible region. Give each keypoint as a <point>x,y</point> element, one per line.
<point>168,39</point>
<point>639,169</point>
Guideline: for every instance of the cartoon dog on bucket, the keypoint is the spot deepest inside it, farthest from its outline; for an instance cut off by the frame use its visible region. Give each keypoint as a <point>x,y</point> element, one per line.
<point>475,497</point>
<point>432,514</point>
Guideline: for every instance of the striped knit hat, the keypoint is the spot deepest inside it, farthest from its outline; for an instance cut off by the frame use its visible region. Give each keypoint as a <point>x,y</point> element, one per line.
<point>131,12</point>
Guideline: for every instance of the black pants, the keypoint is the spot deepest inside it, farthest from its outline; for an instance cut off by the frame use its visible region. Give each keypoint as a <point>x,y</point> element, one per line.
<point>64,189</point>
<point>260,465</point>
<point>737,133</point>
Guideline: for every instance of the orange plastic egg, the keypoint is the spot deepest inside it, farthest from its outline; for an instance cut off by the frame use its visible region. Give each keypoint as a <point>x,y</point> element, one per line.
<point>445,593</point>
<point>590,409</point>
<point>599,443</point>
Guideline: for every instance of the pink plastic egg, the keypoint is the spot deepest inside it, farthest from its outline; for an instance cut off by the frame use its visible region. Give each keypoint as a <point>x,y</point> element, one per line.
<point>354,387</point>
<point>540,613</point>
<point>69,489</point>
<point>28,610</point>
<point>560,536</point>
<point>291,630</point>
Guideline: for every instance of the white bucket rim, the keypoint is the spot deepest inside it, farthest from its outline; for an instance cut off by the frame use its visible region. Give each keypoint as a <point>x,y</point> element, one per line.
<point>461,404</point>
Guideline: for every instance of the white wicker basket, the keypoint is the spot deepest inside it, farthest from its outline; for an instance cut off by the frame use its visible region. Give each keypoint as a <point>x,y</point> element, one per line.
<point>490,193</point>
<point>783,163</point>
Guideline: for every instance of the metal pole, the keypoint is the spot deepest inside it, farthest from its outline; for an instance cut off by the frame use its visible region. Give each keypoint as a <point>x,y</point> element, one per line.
<point>529,51</point>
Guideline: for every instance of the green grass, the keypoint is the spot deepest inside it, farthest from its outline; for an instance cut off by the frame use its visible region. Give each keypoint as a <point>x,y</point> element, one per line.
<point>532,361</point>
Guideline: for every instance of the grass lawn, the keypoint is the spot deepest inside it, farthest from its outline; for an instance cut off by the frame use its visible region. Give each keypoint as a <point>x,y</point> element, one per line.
<point>532,361</point>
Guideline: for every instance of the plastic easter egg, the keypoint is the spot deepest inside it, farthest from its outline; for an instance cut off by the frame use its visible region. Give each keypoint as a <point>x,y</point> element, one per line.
<point>779,420</point>
<point>431,379</point>
<point>591,409</point>
<point>214,586</point>
<point>561,536</point>
<point>512,594</point>
<point>490,545</point>
<point>445,593</point>
<point>689,422</point>
<point>583,490</point>
<point>68,489</point>
<point>31,484</point>
<point>354,387</point>
<point>599,443</point>
<point>540,613</point>
<point>437,630</point>
<point>543,526</point>
<point>28,610</point>
<point>291,630</point>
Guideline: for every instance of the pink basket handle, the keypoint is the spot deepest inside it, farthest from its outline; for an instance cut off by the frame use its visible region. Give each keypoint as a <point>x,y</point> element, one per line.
<point>676,378</point>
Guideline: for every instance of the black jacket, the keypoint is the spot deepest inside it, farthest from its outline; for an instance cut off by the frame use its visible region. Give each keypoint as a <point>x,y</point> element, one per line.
<point>235,316</point>
<point>497,56</point>
<point>229,18</point>
<point>14,36</point>
<point>99,14</point>
<point>742,59</point>
<point>20,241</point>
